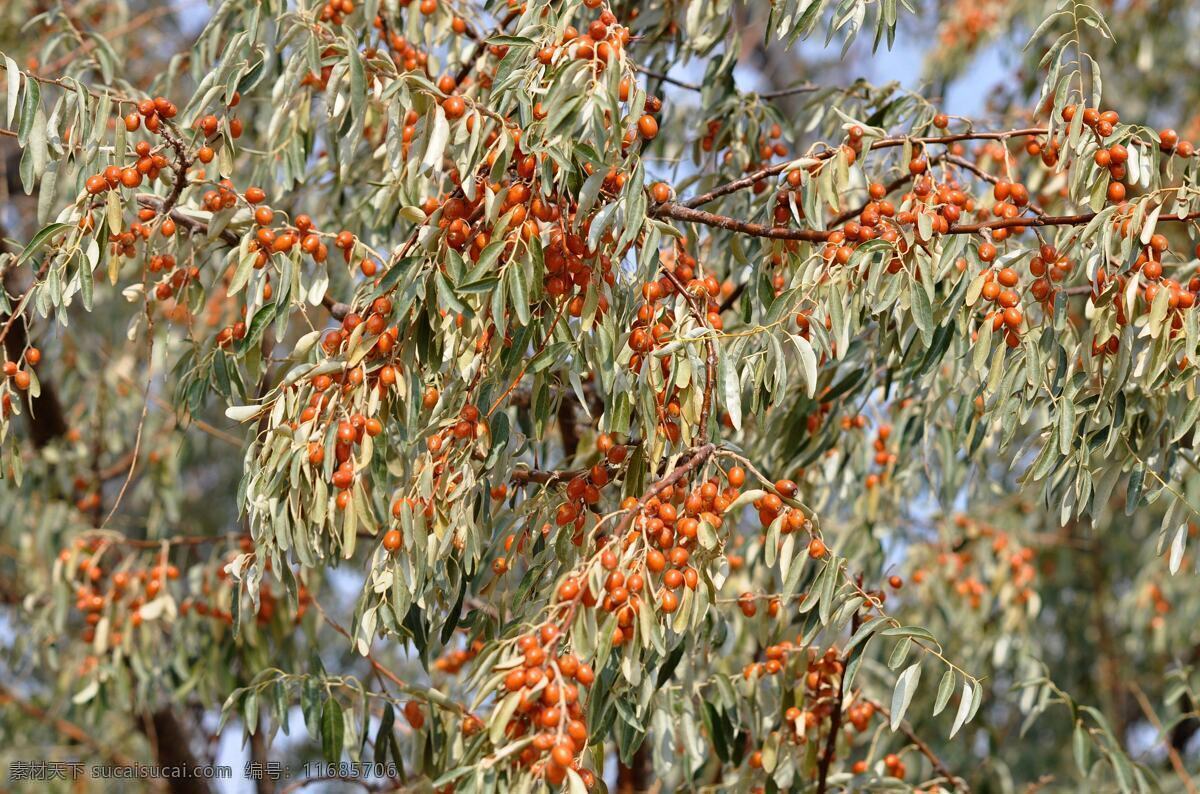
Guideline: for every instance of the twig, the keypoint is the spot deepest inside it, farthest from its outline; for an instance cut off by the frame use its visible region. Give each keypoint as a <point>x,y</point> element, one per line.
<point>802,88</point>
<point>683,213</point>
<point>964,163</point>
<point>882,143</point>
<point>1172,753</point>
<point>481,48</point>
<point>835,727</point>
<point>938,765</point>
<point>838,220</point>
<point>117,539</point>
<point>134,23</point>
<point>158,203</point>
<point>431,695</point>
<point>668,79</point>
<point>65,727</point>
<point>697,458</point>
<point>710,358</point>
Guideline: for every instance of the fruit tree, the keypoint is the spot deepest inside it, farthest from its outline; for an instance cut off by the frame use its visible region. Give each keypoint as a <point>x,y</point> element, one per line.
<point>591,395</point>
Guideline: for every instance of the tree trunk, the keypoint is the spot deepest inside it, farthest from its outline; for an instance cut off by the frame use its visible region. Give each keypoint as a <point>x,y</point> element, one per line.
<point>171,748</point>
<point>636,777</point>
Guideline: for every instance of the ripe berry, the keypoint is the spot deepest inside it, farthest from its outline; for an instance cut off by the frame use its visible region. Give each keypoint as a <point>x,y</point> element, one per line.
<point>648,127</point>
<point>454,107</point>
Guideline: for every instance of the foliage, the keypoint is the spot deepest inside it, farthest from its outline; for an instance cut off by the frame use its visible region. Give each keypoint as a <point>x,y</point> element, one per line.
<point>477,364</point>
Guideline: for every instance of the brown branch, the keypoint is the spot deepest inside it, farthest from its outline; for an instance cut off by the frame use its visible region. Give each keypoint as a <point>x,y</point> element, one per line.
<point>171,749</point>
<point>835,727</point>
<point>636,776</point>
<point>566,428</point>
<point>481,48</point>
<point>337,309</point>
<point>668,79</point>
<point>1080,219</point>
<point>802,88</point>
<point>115,538</point>
<point>260,753</point>
<point>194,225</point>
<point>544,477</point>
<point>1172,753</point>
<point>882,143</point>
<point>65,727</point>
<point>710,358</point>
<point>428,694</point>
<point>70,86</point>
<point>682,470</point>
<point>44,413</point>
<point>134,23</point>
<point>903,179</point>
<point>922,747</point>
<point>683,213</point>
<point>962,162</point>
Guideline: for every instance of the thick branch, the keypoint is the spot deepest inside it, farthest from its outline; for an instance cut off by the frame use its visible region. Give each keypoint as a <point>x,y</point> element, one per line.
<point>835,727</point>
<point>171,749</point>
<point>682,212</point>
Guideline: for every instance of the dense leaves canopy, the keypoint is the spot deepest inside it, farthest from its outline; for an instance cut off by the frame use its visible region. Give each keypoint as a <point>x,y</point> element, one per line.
<point>507,395</point>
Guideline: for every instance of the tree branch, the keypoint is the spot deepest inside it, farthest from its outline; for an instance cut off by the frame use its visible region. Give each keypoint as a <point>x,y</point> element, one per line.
<point>67,728</point>
<point>924,749</point>
<point>683,213</point>
<point>171,748</point>
<point>882,143</point>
